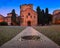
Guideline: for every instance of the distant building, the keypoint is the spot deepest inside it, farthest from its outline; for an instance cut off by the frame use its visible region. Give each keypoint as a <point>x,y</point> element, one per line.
<point>56,17</point>
<point>8,18</point>
<point>28,17</point>
<point>1,18</point>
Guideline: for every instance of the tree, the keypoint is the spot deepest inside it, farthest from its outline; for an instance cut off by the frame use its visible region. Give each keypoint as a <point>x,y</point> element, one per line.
<point>43,18</point>
<point>50,18</point>
<point>3,23</point>
<point>13,17</point>
<point>38,14</point>
<point>46,16</point>
<point>18,20</point>
<point>46,11</point>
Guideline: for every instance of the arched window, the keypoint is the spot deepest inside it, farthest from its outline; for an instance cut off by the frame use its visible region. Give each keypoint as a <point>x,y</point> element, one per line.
<point>34,16</point>
<point>28,13</point>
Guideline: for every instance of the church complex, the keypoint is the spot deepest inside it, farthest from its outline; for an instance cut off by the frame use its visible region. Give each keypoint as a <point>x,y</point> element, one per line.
<point>28,16</point>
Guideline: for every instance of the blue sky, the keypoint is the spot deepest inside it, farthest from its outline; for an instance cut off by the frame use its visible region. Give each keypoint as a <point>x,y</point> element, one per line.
<point>7,5</point>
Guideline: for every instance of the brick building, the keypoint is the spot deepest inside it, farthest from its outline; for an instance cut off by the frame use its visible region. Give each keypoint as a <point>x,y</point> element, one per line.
<point>8,18</point>
<point>28,17</point>
<point>1,18</point>
<point>56,17</point>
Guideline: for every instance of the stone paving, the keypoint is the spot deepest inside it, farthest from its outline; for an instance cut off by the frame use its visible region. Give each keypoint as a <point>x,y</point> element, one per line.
<point>16,42</point>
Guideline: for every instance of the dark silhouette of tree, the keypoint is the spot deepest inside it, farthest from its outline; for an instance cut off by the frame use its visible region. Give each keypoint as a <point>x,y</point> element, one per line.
<point>43,18</point>
<point>13,17</point>
<point>18,20</point>
<point>46,11</point>
<point>46,16</point>
<point>3,23</point>
<point>50,18</point>
<point>38,14</point>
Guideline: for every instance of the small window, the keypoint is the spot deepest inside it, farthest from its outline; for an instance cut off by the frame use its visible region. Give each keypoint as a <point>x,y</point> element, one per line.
<point>28,13</point>
<point>34,16</point>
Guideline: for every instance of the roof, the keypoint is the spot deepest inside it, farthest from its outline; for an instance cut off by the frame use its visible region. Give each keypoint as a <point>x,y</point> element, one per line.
<point>9,13</point>
<point>1,15</point>
<point>54,12</point>
<point>25,4</point>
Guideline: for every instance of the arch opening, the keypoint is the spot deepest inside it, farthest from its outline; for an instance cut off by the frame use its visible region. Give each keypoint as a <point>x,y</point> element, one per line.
<point>29,23</point>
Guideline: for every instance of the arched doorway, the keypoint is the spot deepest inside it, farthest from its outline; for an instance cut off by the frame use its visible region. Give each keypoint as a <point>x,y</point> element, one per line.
<point>29,23</point>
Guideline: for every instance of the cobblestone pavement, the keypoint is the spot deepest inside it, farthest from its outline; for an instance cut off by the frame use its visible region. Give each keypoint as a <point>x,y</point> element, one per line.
<point>43,42</point>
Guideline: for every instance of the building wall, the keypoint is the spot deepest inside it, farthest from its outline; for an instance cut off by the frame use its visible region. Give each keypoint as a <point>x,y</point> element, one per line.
<point>56,11</point>
<point>1,18</point>
<point>8,18</point>
<point>24,7</point>
<point>56,17</point>
<point>25,17</point>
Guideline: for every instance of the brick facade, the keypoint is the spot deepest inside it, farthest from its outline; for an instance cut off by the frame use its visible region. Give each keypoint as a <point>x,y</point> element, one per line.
<point>8,18</point>
<point>1,18</point>
<point>28,15</point>
<point>56,17</point>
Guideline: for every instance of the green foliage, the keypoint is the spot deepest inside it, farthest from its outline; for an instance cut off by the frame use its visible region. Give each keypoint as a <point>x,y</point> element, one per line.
<point>46,16</point>
<point>47,11</point>
<point>18,22</point>
<point>13,18</point>
<point>3,23</point>
<point>43,16</point>
<point>39,14</point>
